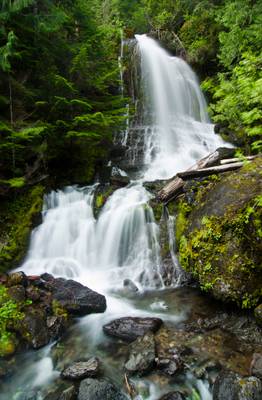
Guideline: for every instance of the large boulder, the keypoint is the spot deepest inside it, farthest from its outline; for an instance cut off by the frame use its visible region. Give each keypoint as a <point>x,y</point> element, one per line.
<point>130,328</point>
<point>75,298</point>
<point>231,386</point>
<point>218,229</point>
<point>98,389</point>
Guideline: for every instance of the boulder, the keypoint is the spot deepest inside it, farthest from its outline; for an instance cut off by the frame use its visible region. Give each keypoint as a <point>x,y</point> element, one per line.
<point>68,394</point>
<point>77,299</point>
<point>218,225</point>
<point>99,389</point>
<point>142,355</point>
<point>33,328</point>
<point>130,328</point>
<point>81,369</point>
<point>231,386</point>
<point>256,365</point>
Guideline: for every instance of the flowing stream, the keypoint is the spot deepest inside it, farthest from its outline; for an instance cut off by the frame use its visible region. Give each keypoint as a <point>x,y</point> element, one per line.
<point>122,244</point>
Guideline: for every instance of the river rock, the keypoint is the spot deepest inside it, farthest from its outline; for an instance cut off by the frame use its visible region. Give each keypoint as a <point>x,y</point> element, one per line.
<point>119,180</point>
<point>130,286</point>
<point>231,386</point>
<point>82,369</point>
<point>130,328</point>
<point>68,394</point>
<point>142,355</point>
<point>99,389</point>
<point>17,293</point>
<point>172,396</point>
<point>77,299</point>
<point>256,365</point>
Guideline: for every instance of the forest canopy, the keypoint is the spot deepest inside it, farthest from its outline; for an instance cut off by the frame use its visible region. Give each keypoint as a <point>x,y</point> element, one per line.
<point>60,101</point>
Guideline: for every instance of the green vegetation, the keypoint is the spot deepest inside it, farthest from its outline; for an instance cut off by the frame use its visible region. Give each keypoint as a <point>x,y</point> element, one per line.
<point>18,217</point>
<point>221,245</point>
<point>11,312</point>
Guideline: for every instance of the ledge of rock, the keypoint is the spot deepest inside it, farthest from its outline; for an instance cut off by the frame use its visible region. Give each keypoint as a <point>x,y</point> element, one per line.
<point>130,328</point>
<point>45,308</point>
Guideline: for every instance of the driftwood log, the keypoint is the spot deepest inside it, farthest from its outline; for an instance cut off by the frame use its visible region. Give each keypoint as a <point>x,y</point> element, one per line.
<point>214,163</point>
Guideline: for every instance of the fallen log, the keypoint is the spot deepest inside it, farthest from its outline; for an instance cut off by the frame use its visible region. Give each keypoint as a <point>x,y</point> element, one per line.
<point>186,175</point>
<point>175,187</point>
<point>233,160</point>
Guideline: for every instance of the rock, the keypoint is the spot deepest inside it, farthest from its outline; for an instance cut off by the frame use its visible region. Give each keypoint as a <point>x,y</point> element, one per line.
<point>17,278</point>
<point>258,314</point>
<point>28,395</point>
<point>17,293</point>
<point>77,299</point>
<point>82,369</point>
<point>170,366</point>
<point>130,328</point>
<point>33,328</point>
<point>172,396</point>
<point>231,386</point>
<point>119,180</point>
<point>130,286</point>
<point>33,293</point>
<point>99,389</point>
<point>68,394</point>
<point>217,231</point>
<point>256,365</point>
<point>56,325</point>
<point>142,355</point>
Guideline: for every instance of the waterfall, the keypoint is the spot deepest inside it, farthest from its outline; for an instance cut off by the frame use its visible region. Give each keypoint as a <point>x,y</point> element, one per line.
<point>122,244</point>
<point>175,129</point>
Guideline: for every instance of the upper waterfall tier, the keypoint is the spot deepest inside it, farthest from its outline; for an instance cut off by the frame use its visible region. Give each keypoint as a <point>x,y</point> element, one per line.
<point>175,129</point>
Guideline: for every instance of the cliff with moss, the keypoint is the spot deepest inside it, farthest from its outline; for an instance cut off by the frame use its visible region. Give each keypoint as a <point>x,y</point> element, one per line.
<point>218,233</point>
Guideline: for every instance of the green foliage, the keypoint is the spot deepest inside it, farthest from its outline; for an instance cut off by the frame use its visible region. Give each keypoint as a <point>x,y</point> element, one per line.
<point>11,312</point>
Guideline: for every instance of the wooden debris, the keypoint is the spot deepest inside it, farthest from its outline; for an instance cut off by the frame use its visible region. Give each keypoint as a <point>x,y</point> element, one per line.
<point>209,171</point>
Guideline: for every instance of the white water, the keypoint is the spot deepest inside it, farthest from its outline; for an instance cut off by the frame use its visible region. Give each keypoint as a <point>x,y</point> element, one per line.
<point>124,242</point>
<point>179,124</point>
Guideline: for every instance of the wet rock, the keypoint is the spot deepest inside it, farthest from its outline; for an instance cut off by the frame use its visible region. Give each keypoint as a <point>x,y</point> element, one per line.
<point>130,286</point>
<point>98,389</point>
<point>172,396</point>
<point>33,328</point>
<point>56,325</point>
<point>17,278</point>
<point>29,395</point>
<point>258,314</point>
<point>17,293</point>
<point>142,355</point>
<point>217,234</point>
<point>170,366</point>
<point>33,293</point>
<point>68,394</point>
<point>130,328</point>
<point>82,369</point>
<point>231,386</point>
<point>75,298</point>
<point>119,180</point>
<point>256,365</point>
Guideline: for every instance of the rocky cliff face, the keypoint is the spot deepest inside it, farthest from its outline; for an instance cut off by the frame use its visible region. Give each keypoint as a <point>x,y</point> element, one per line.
<point>219,234</point>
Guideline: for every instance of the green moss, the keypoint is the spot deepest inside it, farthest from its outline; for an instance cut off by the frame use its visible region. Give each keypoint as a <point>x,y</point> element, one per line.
<point>11,312</point>
<point>220,253</point>
<point>183,210</point>
<point>19,216</point>
<point>58,310</point>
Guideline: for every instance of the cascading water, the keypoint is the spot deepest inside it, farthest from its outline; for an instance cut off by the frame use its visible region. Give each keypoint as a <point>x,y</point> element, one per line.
<point>176,130</point>
<point>122,245</point>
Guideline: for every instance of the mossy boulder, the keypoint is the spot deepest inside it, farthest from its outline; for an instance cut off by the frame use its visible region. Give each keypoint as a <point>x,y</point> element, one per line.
<point>19,214</point>
<point>219,235</point>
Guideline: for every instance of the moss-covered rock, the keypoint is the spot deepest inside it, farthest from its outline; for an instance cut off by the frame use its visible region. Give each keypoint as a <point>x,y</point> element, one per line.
<point>219,233</point>
<point>18,214</point>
